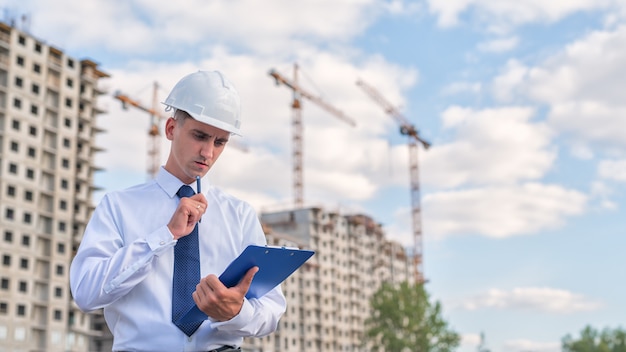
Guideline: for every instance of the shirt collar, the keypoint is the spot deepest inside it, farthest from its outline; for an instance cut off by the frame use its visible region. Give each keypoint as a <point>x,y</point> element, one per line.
<point>170,183</point>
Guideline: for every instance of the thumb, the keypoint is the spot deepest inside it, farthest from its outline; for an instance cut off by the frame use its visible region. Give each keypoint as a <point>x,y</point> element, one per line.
<point>246,281</point>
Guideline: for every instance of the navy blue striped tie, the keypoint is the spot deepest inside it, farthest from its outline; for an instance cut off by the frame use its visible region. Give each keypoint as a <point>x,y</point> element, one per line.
<point>186,273</point>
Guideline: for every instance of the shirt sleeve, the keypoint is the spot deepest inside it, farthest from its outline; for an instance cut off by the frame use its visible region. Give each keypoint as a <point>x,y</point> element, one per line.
<point>106,268</point>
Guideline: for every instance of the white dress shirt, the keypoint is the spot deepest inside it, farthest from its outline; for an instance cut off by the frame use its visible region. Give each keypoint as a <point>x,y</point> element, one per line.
<point>126,259</point>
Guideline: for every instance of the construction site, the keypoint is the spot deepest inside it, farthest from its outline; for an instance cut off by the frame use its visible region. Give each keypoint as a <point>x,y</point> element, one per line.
<point>49,114</point>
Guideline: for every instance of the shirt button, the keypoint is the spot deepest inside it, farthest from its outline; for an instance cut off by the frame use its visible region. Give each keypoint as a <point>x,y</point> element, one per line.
<point>189,339</point>
<point>162,243</point>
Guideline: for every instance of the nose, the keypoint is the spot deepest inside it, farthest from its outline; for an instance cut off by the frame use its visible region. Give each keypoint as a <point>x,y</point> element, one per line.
<point>207,149</point>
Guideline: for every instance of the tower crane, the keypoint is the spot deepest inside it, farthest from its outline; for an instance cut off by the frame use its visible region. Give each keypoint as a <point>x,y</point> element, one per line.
<point>409,130</point>
<point>154,142</point>
<point>298,93</point>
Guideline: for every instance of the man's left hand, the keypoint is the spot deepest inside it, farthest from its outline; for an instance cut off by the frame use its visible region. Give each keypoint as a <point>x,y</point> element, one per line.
<point>220,302</point>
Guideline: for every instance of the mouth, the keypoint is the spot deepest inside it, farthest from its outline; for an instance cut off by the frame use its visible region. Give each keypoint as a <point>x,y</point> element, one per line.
<point>202,164</point>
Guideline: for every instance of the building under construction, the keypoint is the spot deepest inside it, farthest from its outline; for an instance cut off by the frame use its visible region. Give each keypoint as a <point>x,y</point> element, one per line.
<point>48,124</point>
<point>328,298</point>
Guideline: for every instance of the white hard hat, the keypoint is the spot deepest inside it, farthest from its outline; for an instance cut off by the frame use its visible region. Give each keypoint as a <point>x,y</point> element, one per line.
<point>208,97</point>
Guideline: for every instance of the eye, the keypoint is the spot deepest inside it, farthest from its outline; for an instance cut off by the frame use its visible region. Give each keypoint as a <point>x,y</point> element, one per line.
<point>200,136</point>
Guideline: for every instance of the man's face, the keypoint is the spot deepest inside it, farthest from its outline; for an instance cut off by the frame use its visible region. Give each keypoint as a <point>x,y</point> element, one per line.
<point>195,147</point>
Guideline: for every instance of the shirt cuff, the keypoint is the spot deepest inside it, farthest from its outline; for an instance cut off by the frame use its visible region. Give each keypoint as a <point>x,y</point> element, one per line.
<point>239,321</point>
<point>160,240</point>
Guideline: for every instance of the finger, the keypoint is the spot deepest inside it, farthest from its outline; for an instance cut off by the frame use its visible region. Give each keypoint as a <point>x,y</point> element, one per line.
<point>204,288</point>
<point>246,281</point>
<point>201,288</point>
<point>191,210</point>
<point>213,283</point>
<point>196,298</point>
<point>201,294</point>
<point>186,208</point>
<point>183,220</point>
<point>199,198</point>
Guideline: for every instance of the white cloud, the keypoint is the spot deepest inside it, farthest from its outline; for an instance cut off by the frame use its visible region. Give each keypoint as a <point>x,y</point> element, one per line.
<point>615,17</point>
<point>509,84</point>
<point>523,345</point>
<point>588,69</point>
<point>602,193</point>
<point>403,7</point>
<point>581,86</point>
<point>499,45</point>
<point>499,145</point>
<point>541,299</point>
<point>500,211</point>
<point>462,87</point>
<point>448,11</point>
<point>141,27</point>
<point>612,170</point>
<point>582,151</point>
<point>507,14</point>
<point>114,26</point>
<point>470,340</point>
<point>401,228</point>
<point>337,185</point>
<point>591,122</point>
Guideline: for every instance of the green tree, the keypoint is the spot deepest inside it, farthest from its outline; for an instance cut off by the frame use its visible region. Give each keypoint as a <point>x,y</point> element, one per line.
<point>403,319</point>
<point>591,340</point>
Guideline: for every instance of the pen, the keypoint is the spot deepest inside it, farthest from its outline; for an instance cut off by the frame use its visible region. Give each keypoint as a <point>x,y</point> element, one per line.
<point>199,189</point>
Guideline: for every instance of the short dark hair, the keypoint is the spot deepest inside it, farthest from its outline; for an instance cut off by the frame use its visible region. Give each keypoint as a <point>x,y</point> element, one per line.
<point>180,116</point>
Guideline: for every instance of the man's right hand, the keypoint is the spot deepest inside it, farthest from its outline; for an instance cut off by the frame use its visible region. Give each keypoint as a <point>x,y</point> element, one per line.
<point>187,214</point>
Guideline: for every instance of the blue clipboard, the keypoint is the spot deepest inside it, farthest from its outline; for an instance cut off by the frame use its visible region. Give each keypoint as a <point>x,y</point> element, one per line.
<point>275,265</point>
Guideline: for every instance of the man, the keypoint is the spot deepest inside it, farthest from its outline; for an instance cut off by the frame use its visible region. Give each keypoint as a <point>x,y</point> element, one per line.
<point>132,257</point>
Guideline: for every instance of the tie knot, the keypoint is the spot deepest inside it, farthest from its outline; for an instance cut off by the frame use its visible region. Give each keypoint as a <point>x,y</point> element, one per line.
<point>185,191</point>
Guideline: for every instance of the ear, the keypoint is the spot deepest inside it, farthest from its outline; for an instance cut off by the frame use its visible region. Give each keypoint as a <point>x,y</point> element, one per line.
<point>170,125</point>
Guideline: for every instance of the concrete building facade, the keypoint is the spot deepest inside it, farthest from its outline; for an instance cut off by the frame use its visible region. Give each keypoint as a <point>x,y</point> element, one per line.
<point>328,298</point>
<point>48,110</point>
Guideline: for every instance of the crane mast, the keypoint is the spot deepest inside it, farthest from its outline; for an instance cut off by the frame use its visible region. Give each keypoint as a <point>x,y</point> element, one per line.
<point>154,142</point>
<point>297,128</point>
<point>409,130</point>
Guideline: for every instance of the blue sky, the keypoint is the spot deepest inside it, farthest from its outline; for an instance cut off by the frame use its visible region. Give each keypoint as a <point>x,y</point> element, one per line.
<point>522,191</point>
